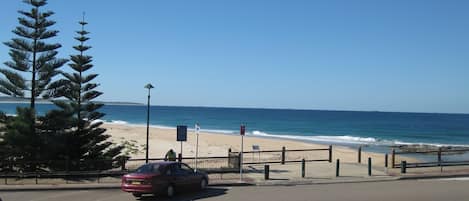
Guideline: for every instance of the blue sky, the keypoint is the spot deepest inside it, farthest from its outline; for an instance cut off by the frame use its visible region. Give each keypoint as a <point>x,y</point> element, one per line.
<point>335,55</point>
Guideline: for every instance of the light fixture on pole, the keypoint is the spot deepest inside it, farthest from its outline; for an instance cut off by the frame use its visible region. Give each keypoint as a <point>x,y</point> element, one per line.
<point>149,87</point>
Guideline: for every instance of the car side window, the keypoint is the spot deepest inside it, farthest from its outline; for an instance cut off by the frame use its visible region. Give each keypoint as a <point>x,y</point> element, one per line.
<point>172,170</point>
<point>179,169</point>
<point>186,168</point>
<point>156,168</point>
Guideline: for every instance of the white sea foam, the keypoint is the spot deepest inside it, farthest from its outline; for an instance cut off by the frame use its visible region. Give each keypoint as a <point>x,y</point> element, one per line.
<point>396,142</point>
<point>340,139</point>
<point>334,139</point>
<point>11,115</point>
<point>118,122</point>
<point>345,139</point>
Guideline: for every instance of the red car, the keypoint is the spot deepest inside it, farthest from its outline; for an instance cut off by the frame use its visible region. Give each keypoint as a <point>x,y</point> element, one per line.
<point>164,178</point>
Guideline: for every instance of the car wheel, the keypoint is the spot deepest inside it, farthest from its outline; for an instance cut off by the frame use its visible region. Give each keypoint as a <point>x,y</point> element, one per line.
<point>170,191</point>
<point>137,195</point>
<point>203,184</point>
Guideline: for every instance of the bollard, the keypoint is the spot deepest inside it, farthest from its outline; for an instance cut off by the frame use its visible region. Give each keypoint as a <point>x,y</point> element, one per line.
<point>283,155</point>
<point>386,160</point>
<point>330,153</point>
<point>360,154</point>
<point>369,166</point>
<point>393,158</point>
<point>337,167</point>
<point>303,166</point>
<point>180,157</point>
<point>239,161</point>
<point>403,167</point>
<point>266,172</point>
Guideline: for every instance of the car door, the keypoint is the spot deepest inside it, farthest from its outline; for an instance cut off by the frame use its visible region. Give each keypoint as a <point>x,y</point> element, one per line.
<point>193,179</point>
<point>180,177</point>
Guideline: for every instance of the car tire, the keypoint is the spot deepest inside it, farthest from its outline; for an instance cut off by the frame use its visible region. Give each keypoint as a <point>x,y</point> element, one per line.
<point>203,184</point>
<point>137,195</point>
<point>170,191</point>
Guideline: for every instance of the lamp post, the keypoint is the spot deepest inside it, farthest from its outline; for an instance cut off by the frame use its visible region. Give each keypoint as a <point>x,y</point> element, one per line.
<point>148,86</point>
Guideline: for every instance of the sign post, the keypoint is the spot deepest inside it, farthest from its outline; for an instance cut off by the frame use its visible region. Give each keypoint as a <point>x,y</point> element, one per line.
<point>181,135</point>
<point>197,129</point>
<point>242,131</point>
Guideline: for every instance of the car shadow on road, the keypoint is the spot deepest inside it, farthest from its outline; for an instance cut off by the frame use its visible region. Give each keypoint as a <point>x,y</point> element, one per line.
<point>209,192</point>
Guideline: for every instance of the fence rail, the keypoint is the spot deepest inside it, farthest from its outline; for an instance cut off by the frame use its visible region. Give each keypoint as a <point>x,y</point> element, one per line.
<point>67,169</point>
<point>438,163</point>
<point>286,156</point>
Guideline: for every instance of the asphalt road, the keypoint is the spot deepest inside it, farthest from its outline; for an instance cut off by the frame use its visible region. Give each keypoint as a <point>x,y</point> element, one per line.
<point>425,190</point>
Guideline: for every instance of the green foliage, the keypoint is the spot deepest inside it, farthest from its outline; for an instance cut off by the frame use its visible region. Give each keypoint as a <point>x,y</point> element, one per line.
<point>86,140</point>
<point>31,55</point>
<point>21,142</point>
<point>71,133</point>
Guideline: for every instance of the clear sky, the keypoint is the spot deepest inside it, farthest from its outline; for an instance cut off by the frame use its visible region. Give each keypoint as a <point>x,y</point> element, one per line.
<point>385,55</point>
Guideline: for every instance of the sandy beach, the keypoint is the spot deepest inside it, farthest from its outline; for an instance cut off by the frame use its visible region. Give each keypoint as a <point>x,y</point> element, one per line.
<point>217,144</point>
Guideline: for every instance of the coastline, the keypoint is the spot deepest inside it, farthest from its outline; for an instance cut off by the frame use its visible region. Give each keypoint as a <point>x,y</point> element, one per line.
<point>217,144</point>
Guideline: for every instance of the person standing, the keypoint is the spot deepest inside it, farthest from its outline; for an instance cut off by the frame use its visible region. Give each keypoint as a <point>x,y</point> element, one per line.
<point>170,155</point>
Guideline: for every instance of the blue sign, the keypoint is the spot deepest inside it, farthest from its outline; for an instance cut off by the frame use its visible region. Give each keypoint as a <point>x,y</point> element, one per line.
<point>181,133</point>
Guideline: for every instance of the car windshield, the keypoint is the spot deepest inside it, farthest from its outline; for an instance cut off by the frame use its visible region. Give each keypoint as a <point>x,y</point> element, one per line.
<point>148,168</point>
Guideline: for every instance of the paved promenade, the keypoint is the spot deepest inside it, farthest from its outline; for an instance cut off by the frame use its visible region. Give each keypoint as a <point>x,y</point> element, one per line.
<point>287,174</point>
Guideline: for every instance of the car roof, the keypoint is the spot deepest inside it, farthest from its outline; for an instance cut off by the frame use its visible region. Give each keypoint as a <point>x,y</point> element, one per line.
<point>165,163</point>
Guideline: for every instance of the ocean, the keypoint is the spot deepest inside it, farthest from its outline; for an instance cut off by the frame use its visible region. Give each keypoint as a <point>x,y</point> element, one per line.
<point>377,131</point>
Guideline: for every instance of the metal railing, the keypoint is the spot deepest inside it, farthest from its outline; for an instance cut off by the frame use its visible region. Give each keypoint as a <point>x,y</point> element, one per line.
<point>286,156</point>
<point>439,161</point>
<point>67,169</point>
<point>10,169</point>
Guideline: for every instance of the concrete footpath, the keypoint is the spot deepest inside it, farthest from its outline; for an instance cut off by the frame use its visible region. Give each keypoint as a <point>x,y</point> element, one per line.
<point>287,174</point>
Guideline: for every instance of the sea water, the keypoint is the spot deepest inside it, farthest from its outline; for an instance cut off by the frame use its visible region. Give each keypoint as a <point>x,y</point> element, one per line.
<point>375,130</point>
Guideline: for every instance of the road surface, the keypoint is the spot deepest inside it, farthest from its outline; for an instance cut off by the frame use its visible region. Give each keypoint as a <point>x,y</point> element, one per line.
<point>425,190</point>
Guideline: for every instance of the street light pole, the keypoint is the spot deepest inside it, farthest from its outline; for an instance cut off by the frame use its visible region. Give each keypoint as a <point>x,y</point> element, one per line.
<point>148,86</point>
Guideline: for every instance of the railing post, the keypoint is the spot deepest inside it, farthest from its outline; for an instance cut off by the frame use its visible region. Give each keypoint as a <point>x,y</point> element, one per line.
<point>303,167</point>
<point>123,161</point>
<point>385,160</point>
<point>283,155</point>
<point>337,167</point>
<point>439,156</point>
<point>330,153</point>
<point>360,154</point>
<point>266,172</point>
<point>229,157</point>
<point>369,166</point>
<point>393,158</point>
<point>403,167</point>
